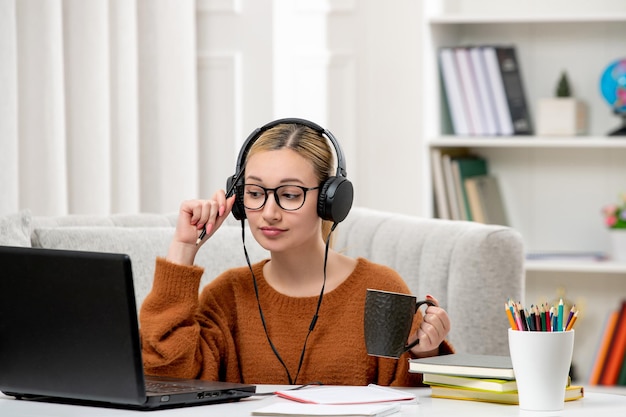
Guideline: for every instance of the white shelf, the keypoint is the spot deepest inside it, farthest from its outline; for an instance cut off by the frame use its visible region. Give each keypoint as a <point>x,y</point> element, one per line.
<point>553,187</point>
<point>603,142</point>
<point>594,267</point>
<point>459,19</point>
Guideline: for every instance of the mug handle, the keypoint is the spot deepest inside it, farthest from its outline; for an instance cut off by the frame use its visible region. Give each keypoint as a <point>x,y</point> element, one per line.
<point>417,306</point>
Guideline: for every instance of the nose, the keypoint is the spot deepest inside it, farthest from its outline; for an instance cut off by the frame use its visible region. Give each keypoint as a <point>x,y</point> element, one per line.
<point>271,209</point>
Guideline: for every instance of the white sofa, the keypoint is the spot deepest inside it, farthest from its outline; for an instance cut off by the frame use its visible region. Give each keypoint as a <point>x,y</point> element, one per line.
<point>470,267</point>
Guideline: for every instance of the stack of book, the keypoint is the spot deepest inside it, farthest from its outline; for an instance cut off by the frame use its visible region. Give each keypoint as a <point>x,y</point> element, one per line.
<point>609,367</point>
<point>464,189</point>
<point>485,378</point>
<point>484,90</point>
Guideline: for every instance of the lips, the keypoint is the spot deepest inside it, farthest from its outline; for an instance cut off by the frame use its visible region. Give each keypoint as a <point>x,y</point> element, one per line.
<point>271,231</point>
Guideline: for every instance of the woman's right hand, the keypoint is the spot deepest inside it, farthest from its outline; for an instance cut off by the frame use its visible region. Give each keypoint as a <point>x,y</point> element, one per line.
<point>193,216</point>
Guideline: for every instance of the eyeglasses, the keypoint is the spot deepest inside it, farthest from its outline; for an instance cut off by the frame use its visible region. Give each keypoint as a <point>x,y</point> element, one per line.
<point>288,197</point>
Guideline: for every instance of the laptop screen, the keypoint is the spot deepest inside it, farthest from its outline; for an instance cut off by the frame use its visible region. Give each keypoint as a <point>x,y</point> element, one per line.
<point>68,325</point>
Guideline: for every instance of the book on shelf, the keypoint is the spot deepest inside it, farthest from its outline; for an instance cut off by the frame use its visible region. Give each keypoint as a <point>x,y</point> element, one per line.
<point>440,189</point>
<point>485,200</point>
<point>603,347</point>
<point>484,384</point>
<point>451,192</point>
<point>465,364</point>
<point>616,350</point>
<point>572,392</point>
<point>484,90</point>
<point>453,91</point>
<point>465,167</point>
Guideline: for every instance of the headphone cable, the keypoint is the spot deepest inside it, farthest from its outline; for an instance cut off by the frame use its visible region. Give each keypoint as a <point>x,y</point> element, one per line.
<point>262,316</point>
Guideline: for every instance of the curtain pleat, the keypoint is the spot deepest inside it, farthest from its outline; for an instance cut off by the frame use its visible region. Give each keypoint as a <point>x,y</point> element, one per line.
<point>88,90</point>
<point>124,110</point>
<point>42,173</point>
<point>9,191</point>
<point>98,104</point>
<point>168,109</point>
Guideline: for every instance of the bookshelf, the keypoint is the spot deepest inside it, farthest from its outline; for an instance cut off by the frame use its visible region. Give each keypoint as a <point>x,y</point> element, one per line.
<point>553,187</point>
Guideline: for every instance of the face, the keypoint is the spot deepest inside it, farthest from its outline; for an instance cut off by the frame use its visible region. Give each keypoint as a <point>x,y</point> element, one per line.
<point>276,229</point>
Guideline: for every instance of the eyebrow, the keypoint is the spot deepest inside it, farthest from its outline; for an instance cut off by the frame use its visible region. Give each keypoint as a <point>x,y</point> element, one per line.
<point>283,181</point>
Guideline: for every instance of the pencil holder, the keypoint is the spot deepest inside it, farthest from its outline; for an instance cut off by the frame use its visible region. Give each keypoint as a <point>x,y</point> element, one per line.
<point>541,362</point>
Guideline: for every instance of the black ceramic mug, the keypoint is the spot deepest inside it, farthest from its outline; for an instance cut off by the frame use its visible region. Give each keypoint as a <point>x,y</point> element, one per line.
<point>388,320</point>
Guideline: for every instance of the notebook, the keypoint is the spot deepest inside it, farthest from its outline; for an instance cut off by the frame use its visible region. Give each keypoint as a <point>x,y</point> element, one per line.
<point>69,333</point>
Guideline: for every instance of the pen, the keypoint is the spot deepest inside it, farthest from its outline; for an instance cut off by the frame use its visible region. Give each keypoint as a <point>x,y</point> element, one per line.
<point>229,193</point>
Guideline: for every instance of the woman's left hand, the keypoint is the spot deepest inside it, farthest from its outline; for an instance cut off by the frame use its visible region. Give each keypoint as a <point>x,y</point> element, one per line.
<point>433,330</point>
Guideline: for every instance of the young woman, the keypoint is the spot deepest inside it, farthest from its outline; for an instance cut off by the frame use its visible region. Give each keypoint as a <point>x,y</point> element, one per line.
<point>294,318</point>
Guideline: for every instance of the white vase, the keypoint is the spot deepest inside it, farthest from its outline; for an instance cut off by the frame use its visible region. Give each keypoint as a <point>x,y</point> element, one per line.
<point>618,244</point>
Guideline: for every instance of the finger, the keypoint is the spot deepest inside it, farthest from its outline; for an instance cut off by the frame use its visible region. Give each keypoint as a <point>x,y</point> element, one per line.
<point>438,318</point>
<point>205,212</point>
<point>433,299</point>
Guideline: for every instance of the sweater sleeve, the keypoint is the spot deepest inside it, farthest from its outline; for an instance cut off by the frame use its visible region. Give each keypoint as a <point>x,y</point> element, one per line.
<point>171,328</point>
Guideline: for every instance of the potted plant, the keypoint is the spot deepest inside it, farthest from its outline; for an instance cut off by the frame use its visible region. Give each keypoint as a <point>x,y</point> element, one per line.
<point>561,115</point>
<point>615,219</point>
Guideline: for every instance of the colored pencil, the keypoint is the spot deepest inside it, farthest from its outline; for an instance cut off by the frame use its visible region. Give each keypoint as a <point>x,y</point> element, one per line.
<point>509,315</point>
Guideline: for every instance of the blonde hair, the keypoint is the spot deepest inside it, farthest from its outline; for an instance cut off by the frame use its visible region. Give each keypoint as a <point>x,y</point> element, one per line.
<point>308,143</point>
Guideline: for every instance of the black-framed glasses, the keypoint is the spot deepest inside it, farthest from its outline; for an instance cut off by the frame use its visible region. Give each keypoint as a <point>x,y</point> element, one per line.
<point>288,197</point>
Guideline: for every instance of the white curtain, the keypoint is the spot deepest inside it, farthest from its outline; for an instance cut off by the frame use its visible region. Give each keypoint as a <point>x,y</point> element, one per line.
<point>98,105</point>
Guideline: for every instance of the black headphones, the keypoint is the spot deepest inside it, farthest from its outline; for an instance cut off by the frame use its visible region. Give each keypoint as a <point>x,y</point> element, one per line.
<point>335,195</point>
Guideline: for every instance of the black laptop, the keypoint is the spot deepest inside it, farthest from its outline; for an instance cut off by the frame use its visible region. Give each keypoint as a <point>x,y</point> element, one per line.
<point>69,333</point>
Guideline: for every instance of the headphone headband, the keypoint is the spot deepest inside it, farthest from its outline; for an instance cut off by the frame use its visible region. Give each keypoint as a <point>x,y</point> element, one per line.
<point>247,144</point>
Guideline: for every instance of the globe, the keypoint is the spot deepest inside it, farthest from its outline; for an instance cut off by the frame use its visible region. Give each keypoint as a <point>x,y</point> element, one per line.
<point>613,88</point>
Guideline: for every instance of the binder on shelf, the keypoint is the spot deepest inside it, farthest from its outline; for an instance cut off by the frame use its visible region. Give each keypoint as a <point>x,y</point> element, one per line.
<point>503,117</point>
<point>484,92</point>
<point>506,81</point>
<point>470,89</point>
<point>454,93</point>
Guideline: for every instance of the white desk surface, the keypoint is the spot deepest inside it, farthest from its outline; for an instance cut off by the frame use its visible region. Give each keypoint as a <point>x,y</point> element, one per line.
<point>594,404</point>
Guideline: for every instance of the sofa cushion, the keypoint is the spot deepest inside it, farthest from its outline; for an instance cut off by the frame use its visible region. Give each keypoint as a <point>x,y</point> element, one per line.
<point>15,229</point>
<point>144,244</point>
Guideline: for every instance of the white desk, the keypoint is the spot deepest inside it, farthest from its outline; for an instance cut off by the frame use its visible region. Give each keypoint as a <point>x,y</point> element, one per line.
<point>594,404</point>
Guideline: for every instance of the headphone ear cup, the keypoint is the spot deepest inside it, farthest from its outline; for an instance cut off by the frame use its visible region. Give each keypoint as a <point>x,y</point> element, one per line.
<point>238,210</point>
<point>335,199</point>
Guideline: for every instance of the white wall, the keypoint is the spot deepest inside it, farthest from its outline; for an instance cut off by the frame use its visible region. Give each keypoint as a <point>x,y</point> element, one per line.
<point>351,66</point>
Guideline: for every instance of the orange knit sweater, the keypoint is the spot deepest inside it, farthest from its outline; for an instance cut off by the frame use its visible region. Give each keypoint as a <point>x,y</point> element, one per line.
<point>219,335</point>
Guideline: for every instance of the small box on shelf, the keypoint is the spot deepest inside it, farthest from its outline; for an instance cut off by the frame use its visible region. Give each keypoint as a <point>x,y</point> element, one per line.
<point>561,116</point>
